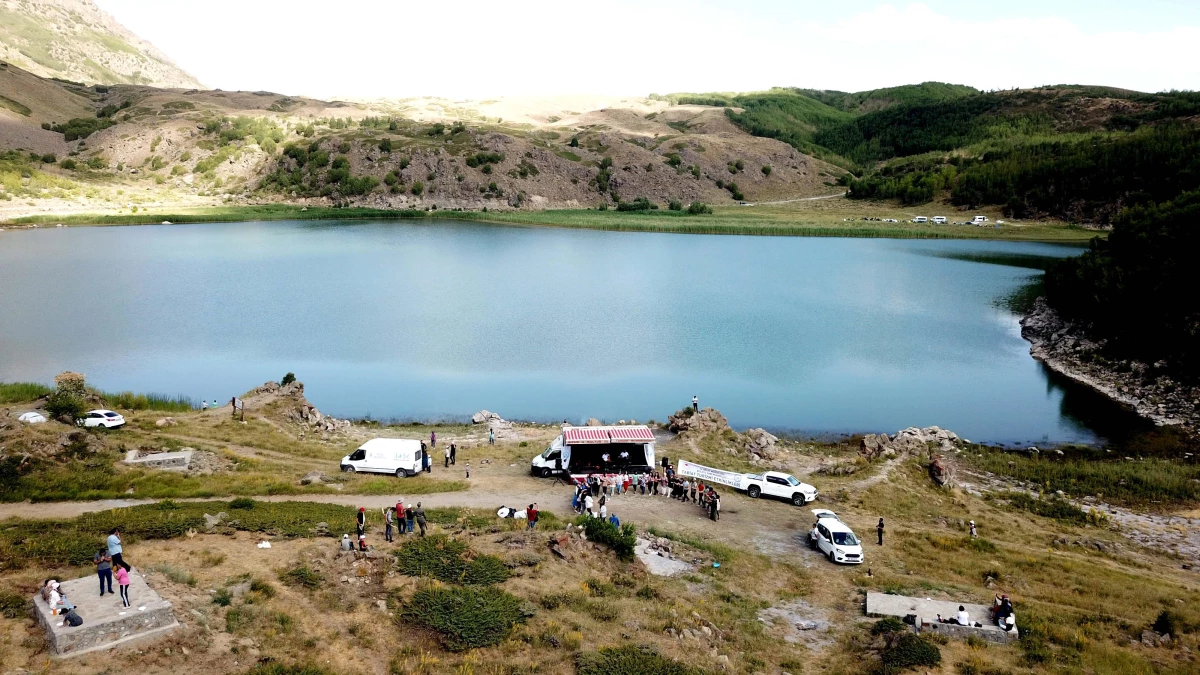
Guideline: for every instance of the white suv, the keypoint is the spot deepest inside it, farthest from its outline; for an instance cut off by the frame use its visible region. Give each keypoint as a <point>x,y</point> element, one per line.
<point>102,418</point>
<point>835,539</point>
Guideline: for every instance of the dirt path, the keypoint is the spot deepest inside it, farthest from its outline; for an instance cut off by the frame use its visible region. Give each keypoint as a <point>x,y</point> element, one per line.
<point>798,199</point>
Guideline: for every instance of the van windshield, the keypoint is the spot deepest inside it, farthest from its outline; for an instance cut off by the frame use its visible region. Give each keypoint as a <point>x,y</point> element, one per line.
<point>845,539</point>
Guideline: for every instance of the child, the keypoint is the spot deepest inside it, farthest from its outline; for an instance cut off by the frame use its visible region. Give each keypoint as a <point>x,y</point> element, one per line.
<point>468,471</point>
<point>123,581</point>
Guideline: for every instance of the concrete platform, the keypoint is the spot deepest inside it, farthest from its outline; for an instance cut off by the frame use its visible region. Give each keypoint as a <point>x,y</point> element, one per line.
<point>164,461</point>
<point>105,623</point>
<point>883,604</point>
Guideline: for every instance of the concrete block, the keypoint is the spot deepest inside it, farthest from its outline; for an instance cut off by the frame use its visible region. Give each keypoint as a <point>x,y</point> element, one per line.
<point>164,461</point>
<point>927,610</point>
<point>106,623</point>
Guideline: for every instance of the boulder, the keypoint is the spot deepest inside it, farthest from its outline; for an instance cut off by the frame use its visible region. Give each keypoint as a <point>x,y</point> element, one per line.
<point>759,443</point>
<point>705,421</point>
<point>314,477</point>
<point>912,441</point>
<point>484,416</point>
<point>165,422</point>
<point>593,422</point>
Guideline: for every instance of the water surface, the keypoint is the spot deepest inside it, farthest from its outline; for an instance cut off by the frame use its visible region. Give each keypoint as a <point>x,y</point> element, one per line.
<point>439,319</point>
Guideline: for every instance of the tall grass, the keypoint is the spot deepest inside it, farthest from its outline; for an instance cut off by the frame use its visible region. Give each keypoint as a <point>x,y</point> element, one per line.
<point>127,400</point>
<point>20,392</point>
<point>1132,482</point>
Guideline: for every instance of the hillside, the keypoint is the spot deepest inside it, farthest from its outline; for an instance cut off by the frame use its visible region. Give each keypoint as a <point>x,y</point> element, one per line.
<point>75,40</point>
<point>123,146</point>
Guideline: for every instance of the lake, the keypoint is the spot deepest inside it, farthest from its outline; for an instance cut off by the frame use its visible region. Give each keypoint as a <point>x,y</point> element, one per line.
<point>438,319</point>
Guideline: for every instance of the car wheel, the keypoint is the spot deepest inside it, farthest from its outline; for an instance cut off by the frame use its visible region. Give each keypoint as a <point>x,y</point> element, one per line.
<point>546,472</point>
<point>349,469</point>
<point>754,492</point>
<point>831,559</point>
<point>401,473</point>
<point>798,499</point>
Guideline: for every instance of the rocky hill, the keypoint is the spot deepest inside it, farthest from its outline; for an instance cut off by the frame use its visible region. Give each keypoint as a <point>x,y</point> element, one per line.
<point>76,40</point>
<point>139,145</point>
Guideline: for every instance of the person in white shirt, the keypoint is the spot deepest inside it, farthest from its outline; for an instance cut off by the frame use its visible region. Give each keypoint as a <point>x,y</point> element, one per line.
<point>587,505</point>
<point>604,512</point>
<point>964,619</point>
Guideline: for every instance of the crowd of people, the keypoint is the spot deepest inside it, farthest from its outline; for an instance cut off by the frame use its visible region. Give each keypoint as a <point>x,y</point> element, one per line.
<point>593,493</point>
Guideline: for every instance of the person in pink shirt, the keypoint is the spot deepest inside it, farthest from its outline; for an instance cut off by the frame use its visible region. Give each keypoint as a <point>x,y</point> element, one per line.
<point>123,581</point>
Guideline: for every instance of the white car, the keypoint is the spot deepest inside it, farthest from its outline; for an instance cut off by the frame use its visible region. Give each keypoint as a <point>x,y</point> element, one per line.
<point>835,539</point>
<point>890,220</point>
<point>781,485</point>
<point>102,418</point>
<point>939,220</point>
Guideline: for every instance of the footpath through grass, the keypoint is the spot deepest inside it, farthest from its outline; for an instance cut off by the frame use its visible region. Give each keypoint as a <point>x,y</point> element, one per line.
<point>827,218</point>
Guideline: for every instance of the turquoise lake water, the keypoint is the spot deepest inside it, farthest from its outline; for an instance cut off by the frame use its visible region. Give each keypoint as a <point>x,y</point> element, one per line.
<point>401,320</point>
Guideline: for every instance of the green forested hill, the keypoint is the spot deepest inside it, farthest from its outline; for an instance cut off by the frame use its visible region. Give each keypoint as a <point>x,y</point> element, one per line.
<point>877,99</point>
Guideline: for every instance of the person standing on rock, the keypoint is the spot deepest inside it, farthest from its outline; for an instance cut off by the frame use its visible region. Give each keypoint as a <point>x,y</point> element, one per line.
<point>420,514</point>
<point>115,549</point>
<point>879,529</point>
<point>695,404</point>
<point>204,404</point>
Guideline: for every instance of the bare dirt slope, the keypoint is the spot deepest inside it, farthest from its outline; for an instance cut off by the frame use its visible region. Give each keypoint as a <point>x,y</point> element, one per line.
<point>76,40</point>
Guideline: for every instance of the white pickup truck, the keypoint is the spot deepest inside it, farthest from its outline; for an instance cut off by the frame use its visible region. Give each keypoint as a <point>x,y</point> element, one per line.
<point>779,485</point>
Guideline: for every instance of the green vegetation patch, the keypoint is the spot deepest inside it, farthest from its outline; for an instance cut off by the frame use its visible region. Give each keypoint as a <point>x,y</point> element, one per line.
<point>465,617</point>
<point>630,660</point>
<point>20,392</point>
<point>620,539</point>
<point>128,400</point>
<point>15,106</point>
<point>80,127</point>
<point>907,651</point>
<point>451,561</point>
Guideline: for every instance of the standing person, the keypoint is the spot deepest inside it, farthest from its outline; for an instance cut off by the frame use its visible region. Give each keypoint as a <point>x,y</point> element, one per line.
<point>712,506</point>
<point>204,404</point>
<point>695,404</point>
<point>468,471</point>
<point>447,458</point>
<point>387,520</point>
<point>491,436</point>
<point>531,514</point>
<point>420,514</point>
<point>115,549</point>
<point>424,454</point>
<point>603,509</point>
<point>428,463</point>
<point>879,528</point>
<point>123,584</point>
<point>409,515</point>
<point>974,532</point>
<point>588,503</point>
<point>361,520</point>
<point>399,511</point>
<point>453,453</point>
<point>103,569</point>
<point>433,439</point>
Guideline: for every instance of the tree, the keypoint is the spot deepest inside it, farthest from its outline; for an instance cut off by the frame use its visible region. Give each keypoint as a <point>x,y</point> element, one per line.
<point>66,402</point>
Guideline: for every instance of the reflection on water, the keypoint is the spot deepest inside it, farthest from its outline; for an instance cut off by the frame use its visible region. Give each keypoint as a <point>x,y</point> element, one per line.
<point>438,319</point>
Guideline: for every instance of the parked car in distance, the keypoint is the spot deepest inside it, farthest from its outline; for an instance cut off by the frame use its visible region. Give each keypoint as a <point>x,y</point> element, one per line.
<point>780,485</point>
<point>399,456</point>
<point>890,220</point>
<point>102,418</point>
<point>979,220</point>
<point>939,220</point>
<point>920,219</point>
<point>835,539</point>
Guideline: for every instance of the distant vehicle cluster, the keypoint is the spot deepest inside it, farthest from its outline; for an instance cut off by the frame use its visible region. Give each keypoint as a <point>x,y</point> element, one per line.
<point>978,221</point>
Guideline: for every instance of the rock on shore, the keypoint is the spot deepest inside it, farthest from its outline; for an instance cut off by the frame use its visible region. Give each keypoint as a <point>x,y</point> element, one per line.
<point>911,441</point>
<point>1066,347</point>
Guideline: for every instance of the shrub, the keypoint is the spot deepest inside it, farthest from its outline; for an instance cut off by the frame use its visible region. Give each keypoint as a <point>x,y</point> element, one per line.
<point>1168,623</point>
<point>66,401</point>
<point>698,208</point>
<point>222,598</point>
<point>385,145</point>
<point>417,188</point>
<point>675,205</point>
<point>620,539</point>
<point>286,669</point>
<point>766,170</point>
<point>465,617</point>
<point>81,127</point>
<point>449,560</point>
<point>176,574</point>
<point>242,503</point>
<point>97,162</point>
<point>13,605</point>
<point>674,159</point>
<point>68,164</point>
<point>649,593</point>
<point>49,158</point>
<point>289,378</point>
<point>302,576</point>
<point>639,204</point>
<point>484,158</point>
<point>887,626</point>
<point>909,650</point>
<point>630,660</point>
<point>262,588</point>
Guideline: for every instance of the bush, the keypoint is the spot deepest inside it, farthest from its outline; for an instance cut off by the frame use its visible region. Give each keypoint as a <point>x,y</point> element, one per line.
<point>639,204</point>
<point>699,208</point>
<point>465,617</point>
<point>222,598</point>
<point>766,170</point>
<point>13,605</point>
<point>286,669</point>
<point>385,145</point>
<point>68,164</point>
<point>417,188</point>
<point>888,625</point>
<point>621,540</point>
<point>1168,623</point>
<point>630,660</point>
<point>909,650</point>
<point>287,379</point>
<point>675,205</point>
<point>242,503</point>
<point>301,576</point>
<point>449,560</point>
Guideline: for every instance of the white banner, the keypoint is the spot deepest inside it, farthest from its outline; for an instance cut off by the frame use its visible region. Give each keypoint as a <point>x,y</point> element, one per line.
<point>711,475</point>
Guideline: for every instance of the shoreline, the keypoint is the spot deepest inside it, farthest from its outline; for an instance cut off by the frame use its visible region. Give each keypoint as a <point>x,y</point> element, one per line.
<point>745,221</point>
<point>1066,348</point>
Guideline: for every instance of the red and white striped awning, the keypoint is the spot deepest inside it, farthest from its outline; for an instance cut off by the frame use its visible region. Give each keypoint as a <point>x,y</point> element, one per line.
<point>583,435</point>
<point>638,434</point>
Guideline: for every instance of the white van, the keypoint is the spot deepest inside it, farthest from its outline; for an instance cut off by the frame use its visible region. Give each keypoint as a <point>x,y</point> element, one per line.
<point>920,219</point>
<point>399,456</point>
<point>979,220</point>
<point>939,220</point>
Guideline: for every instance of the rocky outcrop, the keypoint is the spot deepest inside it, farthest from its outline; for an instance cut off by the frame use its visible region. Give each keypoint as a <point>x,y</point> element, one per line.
<point>759,443</point>
<point>910,441</point>
<point>704,421</point>
<point>297,408</point>
<point>503,429</point>
<point>1065,346</point>
<point>483,417</point>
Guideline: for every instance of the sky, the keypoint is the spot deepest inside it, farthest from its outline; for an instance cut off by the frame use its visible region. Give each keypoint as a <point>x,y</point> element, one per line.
<point>487,48</point>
